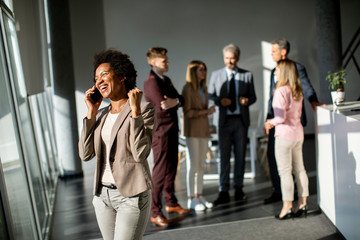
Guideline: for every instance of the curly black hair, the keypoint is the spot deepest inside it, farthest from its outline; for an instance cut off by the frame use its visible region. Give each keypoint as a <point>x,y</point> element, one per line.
<point>121,65</point>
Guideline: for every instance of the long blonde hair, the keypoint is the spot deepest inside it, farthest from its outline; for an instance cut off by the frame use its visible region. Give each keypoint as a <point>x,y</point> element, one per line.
<point>191,76</point>
<point>289,76</point>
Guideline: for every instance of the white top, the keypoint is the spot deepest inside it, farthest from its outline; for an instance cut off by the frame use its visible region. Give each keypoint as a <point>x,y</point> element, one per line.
<point>107,177</point>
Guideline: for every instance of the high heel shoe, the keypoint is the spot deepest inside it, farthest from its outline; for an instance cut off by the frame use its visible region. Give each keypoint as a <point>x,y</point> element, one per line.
<point>301,211</point>
<point>289,214</point>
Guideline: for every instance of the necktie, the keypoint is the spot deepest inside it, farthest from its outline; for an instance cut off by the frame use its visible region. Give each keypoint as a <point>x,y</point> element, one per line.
<point>232,93</point>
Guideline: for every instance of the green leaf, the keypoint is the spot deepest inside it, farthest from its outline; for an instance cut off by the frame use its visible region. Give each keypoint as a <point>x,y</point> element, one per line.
<point>336,80</point>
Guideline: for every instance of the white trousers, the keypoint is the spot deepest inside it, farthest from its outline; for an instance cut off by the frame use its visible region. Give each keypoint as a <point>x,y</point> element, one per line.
<point>195,160</point>
<point>289,160</point>
<point>119,217</point>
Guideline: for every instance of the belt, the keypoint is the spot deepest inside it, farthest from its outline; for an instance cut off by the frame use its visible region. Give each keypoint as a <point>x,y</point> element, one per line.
<point>111,186</point>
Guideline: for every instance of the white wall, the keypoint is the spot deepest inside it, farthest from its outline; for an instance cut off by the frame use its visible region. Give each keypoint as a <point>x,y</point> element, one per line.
<point>199,30</point>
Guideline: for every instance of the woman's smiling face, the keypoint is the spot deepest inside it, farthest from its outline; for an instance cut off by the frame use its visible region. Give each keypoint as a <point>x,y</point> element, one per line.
<point>108,83</point>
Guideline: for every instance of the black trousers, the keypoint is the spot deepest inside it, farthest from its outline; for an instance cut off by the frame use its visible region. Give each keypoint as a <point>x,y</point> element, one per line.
<point>274,174</point>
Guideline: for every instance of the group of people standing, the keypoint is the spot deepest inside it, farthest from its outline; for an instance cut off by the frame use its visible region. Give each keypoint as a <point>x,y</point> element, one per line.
<point>231,89</point>
<point>122,135</point>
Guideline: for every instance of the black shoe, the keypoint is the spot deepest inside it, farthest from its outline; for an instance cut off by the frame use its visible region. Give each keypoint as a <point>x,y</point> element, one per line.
<point>223,197</point>
<point>275,197</point>
<point>289,214</point>
<point>240,195</point>
<point>301,211</point>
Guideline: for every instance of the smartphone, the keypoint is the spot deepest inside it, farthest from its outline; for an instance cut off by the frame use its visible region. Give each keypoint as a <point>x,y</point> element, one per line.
<point>95,96</point>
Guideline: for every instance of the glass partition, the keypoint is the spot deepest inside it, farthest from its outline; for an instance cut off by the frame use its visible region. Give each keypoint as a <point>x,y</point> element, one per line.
<point>44,141</point>
<point>46,110</point>
<point>17,191</point>
<point>9,3</point>
<point>31,157</point>
<point>28,151</point>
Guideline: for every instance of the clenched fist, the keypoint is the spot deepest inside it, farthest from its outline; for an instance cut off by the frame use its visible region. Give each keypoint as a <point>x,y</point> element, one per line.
<point>135,96</point>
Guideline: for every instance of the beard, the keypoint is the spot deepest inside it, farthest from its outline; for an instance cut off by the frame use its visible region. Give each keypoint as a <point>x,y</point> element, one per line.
<point>231,66</point>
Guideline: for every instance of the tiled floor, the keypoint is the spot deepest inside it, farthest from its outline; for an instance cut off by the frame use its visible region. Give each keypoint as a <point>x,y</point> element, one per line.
<point>74,216</point>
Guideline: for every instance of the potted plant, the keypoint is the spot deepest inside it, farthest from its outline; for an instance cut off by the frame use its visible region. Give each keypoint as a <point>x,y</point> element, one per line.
<point>337,82</point>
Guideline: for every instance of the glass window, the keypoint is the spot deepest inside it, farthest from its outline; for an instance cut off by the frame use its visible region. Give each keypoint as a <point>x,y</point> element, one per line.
<point>47,111</point>
<point>44,142</point>
<point>17,191</point>
<point>9,3</point>
<point>31,159</point>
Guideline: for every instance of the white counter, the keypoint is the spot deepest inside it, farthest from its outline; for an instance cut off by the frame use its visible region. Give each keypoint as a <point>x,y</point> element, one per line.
<point>338,165</point>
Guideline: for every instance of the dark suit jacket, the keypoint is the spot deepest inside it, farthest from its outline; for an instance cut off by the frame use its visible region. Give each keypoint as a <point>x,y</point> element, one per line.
<point>167,128</point>
<point>308,92</point>
<point>130,147</point>
<point>218,89</point>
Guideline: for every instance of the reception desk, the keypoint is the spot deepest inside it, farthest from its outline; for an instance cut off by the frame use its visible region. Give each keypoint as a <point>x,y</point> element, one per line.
<point>338,165</point>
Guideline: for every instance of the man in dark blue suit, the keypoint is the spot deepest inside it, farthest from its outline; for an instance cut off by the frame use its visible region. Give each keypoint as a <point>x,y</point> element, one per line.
<point>232,90</point>
<point>279,50</point>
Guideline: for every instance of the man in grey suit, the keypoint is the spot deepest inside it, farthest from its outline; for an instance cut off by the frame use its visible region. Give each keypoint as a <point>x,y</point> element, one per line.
<point>279,50</point>
<point>232,90</point>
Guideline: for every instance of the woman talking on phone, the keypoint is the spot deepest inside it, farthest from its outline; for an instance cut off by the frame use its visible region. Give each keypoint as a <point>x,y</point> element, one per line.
<point>119,136</point>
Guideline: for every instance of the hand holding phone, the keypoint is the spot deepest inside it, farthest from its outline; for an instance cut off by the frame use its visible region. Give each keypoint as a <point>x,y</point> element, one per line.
<point>95,97</point>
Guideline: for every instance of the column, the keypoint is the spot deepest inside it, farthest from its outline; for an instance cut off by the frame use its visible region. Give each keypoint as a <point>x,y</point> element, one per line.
<point>64,88</point>
<point>328,24</point>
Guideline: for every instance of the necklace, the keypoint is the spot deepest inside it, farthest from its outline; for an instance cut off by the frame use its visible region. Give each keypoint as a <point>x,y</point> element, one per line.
<point>118,109</point>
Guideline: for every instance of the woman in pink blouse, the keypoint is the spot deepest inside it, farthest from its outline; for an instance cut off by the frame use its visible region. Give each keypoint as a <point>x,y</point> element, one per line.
<point>289,138</point>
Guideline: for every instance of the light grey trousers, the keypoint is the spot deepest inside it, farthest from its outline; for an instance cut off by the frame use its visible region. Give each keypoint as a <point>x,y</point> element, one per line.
<point>195,159</point>
<point>289,160</point>
<point>120,217</point>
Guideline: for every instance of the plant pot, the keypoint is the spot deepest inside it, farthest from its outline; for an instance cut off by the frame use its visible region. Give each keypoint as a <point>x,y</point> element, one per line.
<point>337,97</point>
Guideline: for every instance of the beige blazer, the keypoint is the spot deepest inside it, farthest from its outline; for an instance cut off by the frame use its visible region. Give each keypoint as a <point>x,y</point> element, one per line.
<point>130,140</point>
<point>193,124</point>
